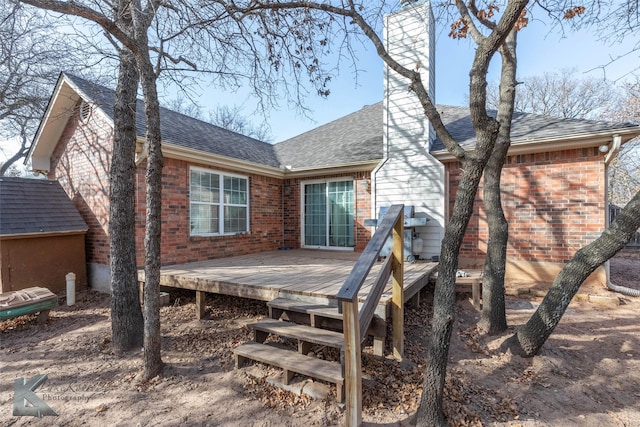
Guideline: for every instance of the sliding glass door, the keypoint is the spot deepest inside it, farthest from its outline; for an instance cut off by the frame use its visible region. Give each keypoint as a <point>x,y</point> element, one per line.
<point>328,214</point>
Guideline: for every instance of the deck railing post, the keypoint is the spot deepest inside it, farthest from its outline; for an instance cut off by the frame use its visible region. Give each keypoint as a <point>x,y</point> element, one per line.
<point>397,295</point>
<point>352,363</point>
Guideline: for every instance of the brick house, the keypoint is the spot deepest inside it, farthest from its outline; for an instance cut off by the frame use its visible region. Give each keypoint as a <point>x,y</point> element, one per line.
<point>225,194</point>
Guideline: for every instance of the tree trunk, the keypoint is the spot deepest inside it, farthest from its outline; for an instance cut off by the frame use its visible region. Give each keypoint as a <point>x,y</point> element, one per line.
<point>126,314</point>
<point>531,337</point>
<point>494,319</point>
<point>430,411</point>
<point>152,349</point>
<point>22,151</point>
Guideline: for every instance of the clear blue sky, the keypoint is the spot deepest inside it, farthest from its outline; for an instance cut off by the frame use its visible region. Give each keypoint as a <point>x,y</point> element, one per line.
<point>540,49</point>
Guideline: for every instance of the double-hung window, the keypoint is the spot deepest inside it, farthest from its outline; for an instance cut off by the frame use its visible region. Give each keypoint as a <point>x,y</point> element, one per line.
<point>219,203</point>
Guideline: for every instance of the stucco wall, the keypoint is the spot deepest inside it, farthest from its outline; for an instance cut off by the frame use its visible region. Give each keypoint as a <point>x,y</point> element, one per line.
<point>42,261</point>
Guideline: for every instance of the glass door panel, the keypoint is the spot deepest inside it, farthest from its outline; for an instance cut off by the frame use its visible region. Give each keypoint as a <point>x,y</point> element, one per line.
<point>329,214</point>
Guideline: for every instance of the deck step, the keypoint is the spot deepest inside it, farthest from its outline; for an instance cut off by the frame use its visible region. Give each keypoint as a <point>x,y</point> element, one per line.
<point>325,317</point>
<point>306,334</point>
<point>292,363</point>
<point>314,310</point>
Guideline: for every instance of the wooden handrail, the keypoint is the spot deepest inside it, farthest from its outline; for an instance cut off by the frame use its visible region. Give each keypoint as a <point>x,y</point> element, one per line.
<point>377,288</point>
<point>356,323</point>
<point>370,255</point>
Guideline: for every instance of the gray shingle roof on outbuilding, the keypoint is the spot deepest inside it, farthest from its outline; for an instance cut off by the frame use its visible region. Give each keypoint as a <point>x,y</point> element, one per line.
<point>29,206</point>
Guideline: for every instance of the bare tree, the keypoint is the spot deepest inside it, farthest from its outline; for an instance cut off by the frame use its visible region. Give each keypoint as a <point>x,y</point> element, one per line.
<point>131,33</point>
<point>561,94</point>
<point>231,118</point>
<point>530,338</point>
<point>226,117</point>
<point>30,61</point>
<point>486,127</point>
<point>32,57</point>
<point>624,170</point>
<point>127,324</point>
<point>494,318</point>
<point>12,170</point>
<point>148,30</point>
<point>492,140</point>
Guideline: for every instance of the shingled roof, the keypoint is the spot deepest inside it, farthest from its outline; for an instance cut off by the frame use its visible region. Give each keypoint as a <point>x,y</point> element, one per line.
<point>525,127</point>
<point>352,139</point>
<point>179,129</point>
<point>32,206</point>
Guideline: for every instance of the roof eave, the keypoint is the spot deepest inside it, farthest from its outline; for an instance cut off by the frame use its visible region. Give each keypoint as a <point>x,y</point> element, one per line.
<point>364,166</point>
<point>554,144</point>
<point>41,234</point>
<point>202,157</point>
<point>49,130</point>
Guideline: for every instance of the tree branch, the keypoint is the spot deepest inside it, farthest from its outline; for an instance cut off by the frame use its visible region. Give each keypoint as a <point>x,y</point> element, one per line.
<point>75,9</point>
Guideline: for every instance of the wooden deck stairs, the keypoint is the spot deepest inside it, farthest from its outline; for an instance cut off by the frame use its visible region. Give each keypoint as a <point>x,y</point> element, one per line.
<point>310,323</point>
<point>288,321</point>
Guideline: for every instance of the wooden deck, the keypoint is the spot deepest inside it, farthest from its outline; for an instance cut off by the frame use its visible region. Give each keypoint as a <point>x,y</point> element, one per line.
<point>295,274</point>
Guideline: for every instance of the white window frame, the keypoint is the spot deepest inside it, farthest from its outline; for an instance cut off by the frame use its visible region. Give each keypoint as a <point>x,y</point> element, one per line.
<point>221,203</point>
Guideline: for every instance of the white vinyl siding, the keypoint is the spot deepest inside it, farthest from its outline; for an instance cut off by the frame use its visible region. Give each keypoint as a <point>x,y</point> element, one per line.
<point>409,174</point>
<point>219,203</point>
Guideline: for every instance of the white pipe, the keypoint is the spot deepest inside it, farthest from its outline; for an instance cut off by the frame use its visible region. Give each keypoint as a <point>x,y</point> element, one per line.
<point>71,288</point>
<point>623,290</point>
<point>613,150</point>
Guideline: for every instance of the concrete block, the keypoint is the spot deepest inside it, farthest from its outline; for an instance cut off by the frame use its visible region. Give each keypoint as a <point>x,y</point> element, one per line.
<point>294,387</point>
<point>605,301</point>
<point>316,390</point>
<point>581,297</point>
<point>164,299</point>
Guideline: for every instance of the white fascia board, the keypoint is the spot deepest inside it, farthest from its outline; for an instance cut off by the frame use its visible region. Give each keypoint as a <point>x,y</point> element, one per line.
<point>45,118</point>
<point>190,155</point>
<point>64,97</point>
<point>366,166</point>
<point>554,144</point>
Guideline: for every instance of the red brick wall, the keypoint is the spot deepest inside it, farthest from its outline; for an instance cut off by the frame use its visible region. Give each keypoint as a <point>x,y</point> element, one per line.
<point>554,202</point>
<point>179,247</point>
<point>292,206</point>
<point>81,162</point>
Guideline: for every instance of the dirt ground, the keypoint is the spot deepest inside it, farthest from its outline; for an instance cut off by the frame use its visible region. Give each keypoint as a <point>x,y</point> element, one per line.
<point>588,373</point>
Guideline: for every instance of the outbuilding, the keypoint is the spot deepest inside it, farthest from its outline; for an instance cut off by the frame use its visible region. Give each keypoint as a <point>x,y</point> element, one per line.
<point>42,236</point>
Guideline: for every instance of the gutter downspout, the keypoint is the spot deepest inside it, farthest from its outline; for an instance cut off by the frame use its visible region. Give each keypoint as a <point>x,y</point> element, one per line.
<point>385,132</point>
<point>611,154</point>
<point>378,168</point>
